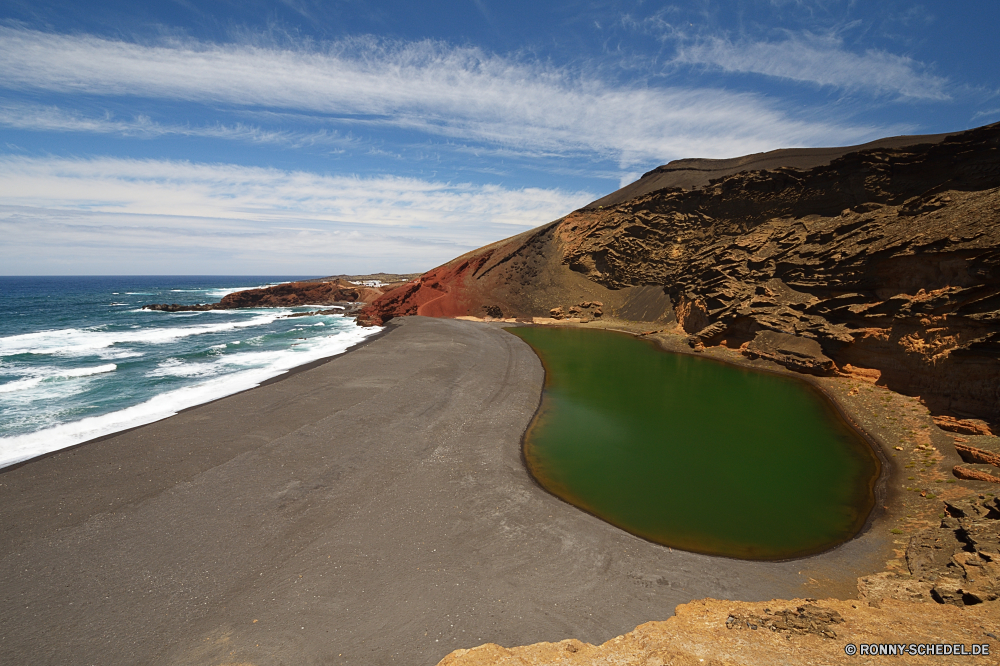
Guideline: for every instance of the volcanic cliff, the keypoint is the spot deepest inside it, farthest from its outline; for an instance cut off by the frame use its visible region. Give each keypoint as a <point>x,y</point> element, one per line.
<point>325,291</point>
<point>879,261</point>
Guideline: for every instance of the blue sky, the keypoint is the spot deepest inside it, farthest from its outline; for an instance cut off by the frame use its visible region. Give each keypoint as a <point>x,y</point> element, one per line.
<point>306,137</point>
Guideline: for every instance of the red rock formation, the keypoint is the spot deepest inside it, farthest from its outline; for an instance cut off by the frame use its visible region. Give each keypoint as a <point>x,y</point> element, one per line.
<point>437,293</point>
<point>292,294</point>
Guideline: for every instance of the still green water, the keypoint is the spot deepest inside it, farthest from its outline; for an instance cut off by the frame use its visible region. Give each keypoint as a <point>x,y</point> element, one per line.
<point>692,453</point>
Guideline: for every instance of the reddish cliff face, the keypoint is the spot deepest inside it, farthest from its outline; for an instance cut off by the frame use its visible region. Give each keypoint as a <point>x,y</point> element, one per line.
<point>294,293</point>
<point>883,264</point>
<point>290,294</point>
<point>438,293</point>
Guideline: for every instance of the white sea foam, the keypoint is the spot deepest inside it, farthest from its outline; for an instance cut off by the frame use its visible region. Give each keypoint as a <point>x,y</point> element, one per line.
<point>35,379</point>
<point>173,367</point>
<point>77,342</point>
<point>83,372</point>
<point>115,354</point>
<point>20,384</point>
<point>269,364</point>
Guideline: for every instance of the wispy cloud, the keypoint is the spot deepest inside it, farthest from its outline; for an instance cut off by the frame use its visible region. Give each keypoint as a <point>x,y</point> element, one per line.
<point>818,59</point>
<point>989,113</point>
<point>459,93</point>
<point>37,117</point>
<point>152,216</point>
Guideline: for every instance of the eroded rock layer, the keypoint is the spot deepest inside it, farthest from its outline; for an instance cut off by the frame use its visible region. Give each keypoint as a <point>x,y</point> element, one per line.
<point>796,632</point>
<point>883,264</point>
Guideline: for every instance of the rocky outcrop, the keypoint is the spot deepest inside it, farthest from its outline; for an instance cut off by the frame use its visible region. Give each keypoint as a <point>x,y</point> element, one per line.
<point>973,454</point>
<point>949,595</point>
<point>290,294</point>
<point>886,260</point>
<point>964,426</point>
<point>798,353</point>
<point>960,560</point>
<point>175,307</point>
<point>986,473</point>
<point>796,632</point>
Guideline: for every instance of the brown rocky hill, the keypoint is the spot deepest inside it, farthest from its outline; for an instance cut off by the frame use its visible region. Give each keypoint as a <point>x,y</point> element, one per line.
<point>692,173</point>
<point>883,263</point>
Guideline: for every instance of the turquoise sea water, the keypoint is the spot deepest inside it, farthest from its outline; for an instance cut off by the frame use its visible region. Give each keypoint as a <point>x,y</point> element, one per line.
<point>79,358</point>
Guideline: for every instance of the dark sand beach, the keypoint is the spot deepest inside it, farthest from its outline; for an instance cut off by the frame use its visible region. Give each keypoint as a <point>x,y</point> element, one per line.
<point>369,510</point>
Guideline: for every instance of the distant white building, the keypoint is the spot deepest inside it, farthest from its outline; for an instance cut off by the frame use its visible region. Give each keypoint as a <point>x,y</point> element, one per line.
<point>370,283</point>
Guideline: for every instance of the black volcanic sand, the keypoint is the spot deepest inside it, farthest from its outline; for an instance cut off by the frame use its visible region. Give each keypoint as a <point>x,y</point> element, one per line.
<point>370,510</point>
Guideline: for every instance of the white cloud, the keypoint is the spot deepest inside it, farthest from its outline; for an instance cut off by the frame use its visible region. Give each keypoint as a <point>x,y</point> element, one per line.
<point>37,117</point>
<point>821,60</point>
<point>144,216</point>
<point>991,113</point>
<point>458,93</point>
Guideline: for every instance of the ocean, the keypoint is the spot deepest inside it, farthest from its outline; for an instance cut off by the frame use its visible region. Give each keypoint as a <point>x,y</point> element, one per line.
<point>80,358</point>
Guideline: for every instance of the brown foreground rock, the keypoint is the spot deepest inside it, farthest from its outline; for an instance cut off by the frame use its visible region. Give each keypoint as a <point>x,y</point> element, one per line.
<point>803,632</point>
<point>950,595</point>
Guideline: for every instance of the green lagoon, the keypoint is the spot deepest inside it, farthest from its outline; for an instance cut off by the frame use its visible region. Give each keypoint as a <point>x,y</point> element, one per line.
<point>692,453</point>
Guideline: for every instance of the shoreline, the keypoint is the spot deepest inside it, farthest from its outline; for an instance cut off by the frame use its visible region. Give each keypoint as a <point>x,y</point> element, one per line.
<point>277,378</point>
<point>373,509</point>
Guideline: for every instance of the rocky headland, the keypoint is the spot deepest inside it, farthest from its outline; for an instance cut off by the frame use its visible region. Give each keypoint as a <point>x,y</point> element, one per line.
<point>347,293</point>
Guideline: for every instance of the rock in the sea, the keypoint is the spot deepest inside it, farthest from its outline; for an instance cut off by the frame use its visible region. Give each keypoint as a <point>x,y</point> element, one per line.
<point>174,307</point>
